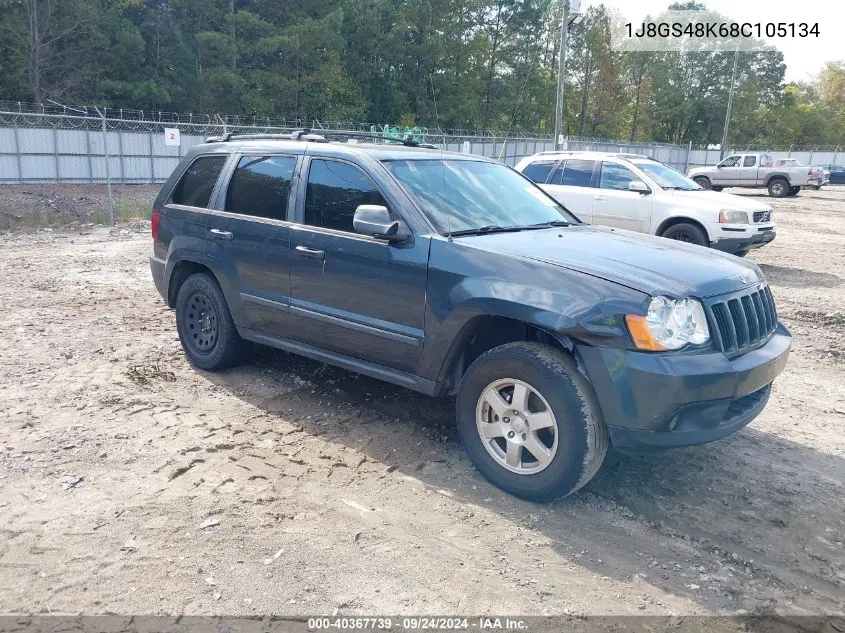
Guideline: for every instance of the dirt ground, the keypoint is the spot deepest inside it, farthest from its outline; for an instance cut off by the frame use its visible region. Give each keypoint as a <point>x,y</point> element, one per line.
<point>133,483</point>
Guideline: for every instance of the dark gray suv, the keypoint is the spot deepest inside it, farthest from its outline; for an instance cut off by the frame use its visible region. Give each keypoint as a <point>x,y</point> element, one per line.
<point>454,275</point>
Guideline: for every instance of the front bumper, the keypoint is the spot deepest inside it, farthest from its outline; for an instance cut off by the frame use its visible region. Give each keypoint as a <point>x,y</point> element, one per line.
<point>745,241</point>
<point>652,402</point>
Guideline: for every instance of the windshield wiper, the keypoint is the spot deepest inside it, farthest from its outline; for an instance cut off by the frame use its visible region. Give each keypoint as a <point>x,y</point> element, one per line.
<point>483,230</point>
<point>550,223</point>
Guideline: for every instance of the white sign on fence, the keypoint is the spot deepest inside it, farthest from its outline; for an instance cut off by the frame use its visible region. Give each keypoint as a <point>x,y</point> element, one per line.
<point>466,147</point>
<point>171,136</point>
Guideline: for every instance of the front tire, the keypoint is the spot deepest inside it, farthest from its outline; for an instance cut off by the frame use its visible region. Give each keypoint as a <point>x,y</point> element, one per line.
<point>793,191</point>
<point>778,188</point>
<point>686,232</point>
<point>206,330</point>
<point>530,422</point>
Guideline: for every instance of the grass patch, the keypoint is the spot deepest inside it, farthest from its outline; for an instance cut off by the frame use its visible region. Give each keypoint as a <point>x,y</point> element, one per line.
<point>123,212</point>
<point>36,219</point>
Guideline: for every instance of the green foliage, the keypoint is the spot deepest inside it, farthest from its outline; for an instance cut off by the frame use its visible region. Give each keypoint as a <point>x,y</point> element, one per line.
<point>466,64</point>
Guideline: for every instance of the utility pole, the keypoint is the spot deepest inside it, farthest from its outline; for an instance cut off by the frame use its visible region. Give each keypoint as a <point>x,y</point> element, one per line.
<point>561,67</point>
<point>730,103</point>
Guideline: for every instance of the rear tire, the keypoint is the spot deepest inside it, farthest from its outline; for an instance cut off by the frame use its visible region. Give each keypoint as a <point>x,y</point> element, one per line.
<point>522,398</point>
<point>702,182</point>
<point>778,187</point>
<point>686,232</point>
<point>206,329</point>
<point>793,191</point>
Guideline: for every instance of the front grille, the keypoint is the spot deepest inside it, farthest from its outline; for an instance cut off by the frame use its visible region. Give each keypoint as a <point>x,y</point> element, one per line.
<point>762,216</point>
<point>742,321</point>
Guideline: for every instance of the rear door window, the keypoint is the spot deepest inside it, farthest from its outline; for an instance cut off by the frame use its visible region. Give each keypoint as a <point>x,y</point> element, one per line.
<point>260,186</point>
<point>575,173</point>
<point>197,183</point>
<point>749,161</point>
<point>539,171</point>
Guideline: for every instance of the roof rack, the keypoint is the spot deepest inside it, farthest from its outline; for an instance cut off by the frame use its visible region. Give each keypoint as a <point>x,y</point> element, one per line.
<point>309,135</point>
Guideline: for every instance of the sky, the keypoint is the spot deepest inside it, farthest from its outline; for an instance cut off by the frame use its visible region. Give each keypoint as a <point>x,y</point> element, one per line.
<point>804,58</point>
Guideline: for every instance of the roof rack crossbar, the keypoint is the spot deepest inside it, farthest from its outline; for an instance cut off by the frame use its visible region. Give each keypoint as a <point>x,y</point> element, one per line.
<point>307,134</point>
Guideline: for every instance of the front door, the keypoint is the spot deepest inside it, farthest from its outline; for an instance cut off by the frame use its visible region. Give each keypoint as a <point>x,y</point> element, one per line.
<point>351,293</point>
<point>614,205</point>
<point>727,172</point>
<point>250,238</point>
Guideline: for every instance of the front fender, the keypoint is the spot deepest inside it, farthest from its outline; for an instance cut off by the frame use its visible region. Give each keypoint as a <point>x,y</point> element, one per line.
<point>564,303</point>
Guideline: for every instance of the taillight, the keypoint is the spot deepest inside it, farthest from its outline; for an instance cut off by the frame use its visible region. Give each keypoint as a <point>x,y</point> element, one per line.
<point>810,171</point>
<point>155,218</point>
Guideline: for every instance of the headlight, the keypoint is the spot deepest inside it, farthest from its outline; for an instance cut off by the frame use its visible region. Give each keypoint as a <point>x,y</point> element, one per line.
<point>669,325</point>
<point>729,216</point>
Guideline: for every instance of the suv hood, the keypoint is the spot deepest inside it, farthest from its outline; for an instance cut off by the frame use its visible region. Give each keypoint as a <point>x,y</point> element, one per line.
<point>653,265</point>
<point>717,200</point>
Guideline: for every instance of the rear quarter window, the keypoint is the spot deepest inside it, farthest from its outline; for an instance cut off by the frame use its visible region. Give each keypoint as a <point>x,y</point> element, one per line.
<point>197,183</point>
<point>538,171</point>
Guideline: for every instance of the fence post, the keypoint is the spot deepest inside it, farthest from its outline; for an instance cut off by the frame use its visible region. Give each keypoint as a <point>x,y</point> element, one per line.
<point>18,154</point>
<point>120,154</point>
<point>689,153</point>
<point>152,160</point>
<point>108,167</point>
<point>88,154</point>
<point>56,152</point>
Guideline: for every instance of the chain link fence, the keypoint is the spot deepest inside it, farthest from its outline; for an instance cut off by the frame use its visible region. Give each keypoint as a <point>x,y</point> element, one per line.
<point>83,145</point>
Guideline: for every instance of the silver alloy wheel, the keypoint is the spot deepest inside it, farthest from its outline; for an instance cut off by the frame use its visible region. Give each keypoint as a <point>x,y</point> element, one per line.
<point>778,187</point>
<point>517,426</point>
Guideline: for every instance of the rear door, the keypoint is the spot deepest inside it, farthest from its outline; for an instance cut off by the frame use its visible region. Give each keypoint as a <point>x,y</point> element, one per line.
<point>571,184</point>
<point>249,236</point>
<point>748,170</point>
<point>186,211</point>
<point>614,205</point>
<point>351,293</point>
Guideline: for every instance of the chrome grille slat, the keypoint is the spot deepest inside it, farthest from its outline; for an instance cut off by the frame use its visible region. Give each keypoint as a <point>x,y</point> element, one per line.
<point>762,216</point>
<point>742,320</point>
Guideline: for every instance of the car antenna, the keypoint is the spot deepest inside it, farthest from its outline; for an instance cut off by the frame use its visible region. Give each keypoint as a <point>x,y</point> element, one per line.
<point>448,215</point>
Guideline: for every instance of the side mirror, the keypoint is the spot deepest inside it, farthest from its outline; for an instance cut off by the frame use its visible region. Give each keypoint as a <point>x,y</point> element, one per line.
<point>639,186</point>
<point>374,220</point>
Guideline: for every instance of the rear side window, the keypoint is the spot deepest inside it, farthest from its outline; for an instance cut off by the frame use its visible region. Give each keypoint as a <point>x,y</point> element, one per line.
<point>334,191</point>
<point>195,187</point>
<point>575,173</point>
<point>260,186</point>
<point>749,161</point>
<point>539,171</point>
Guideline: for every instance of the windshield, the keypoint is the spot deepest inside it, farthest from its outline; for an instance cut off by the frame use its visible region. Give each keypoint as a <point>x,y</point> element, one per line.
<point>462,196</point>
<point>667,177</point>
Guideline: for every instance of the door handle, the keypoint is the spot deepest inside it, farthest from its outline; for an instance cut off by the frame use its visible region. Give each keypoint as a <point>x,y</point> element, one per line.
<point>600,198</point>
<point>310,252</point>
<point>217,234</point>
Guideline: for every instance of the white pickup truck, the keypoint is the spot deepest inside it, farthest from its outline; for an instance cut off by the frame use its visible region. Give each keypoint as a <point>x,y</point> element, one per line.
<point>781,176</point>
<point>629,191</point>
